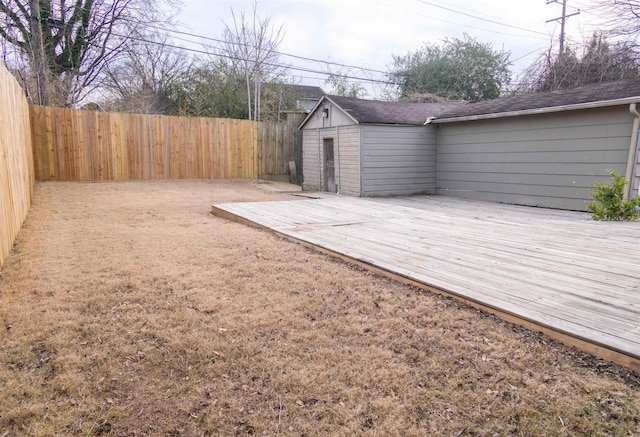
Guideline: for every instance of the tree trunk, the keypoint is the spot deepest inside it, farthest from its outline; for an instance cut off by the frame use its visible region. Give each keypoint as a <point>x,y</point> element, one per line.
<point>248,94</point>
<point>39,63</point>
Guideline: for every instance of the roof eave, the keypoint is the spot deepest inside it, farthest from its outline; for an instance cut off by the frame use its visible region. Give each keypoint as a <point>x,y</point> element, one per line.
<point>343,110</point>
<point>311,112</point>
<point>382,123</point>
<point>545,110</point>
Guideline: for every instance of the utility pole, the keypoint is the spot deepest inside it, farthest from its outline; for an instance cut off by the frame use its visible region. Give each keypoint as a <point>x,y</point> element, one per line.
<point>37,49</point>
<point>562,20</point>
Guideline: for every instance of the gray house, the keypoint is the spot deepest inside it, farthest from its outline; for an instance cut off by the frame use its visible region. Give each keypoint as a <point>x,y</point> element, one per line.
<point>370,148</point>
<point>545,149</point>
<point>305,96</point>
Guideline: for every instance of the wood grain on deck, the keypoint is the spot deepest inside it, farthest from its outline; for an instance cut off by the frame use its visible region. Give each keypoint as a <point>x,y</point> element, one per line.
<point>555,269</point>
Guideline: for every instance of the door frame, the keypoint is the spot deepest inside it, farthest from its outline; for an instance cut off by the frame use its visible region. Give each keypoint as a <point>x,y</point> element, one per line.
<point>329,184</point>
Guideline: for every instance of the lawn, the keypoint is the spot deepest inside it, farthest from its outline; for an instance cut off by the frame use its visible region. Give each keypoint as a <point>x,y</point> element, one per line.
<point>128,309</point>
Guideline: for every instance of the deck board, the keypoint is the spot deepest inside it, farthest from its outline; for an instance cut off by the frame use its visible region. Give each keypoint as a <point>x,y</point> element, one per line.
<point>557,269</point>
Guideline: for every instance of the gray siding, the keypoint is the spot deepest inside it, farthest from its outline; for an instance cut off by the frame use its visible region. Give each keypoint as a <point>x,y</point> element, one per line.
<point>347,150</point>
<point>311,159</point>
<point>635,170</point>
<point>344,149</point>
<point>635,183</point>
<point>398,160</point>
<point>329,132</point>
<point>346,143</point>
<point>549,160</point>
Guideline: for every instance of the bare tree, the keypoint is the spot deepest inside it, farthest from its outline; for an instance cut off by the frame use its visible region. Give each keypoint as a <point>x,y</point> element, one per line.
<point>63,46</point>
<point>622,17</point>
<point>341,86</point>
<point>143,78</point>
<point>252,48</point>
<point>425,98</point>
<point>599,62</point>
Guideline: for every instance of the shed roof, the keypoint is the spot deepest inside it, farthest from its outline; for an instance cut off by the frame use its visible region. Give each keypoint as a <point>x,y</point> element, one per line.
<point>379,112</point>
<point>593,95</point>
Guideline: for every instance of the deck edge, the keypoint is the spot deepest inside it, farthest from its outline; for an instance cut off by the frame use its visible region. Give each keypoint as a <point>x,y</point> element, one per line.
<point>600,350</point>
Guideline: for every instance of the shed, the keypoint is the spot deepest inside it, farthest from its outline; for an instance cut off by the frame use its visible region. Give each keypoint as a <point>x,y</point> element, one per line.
<point>545,149</point>
<point>370,148</point>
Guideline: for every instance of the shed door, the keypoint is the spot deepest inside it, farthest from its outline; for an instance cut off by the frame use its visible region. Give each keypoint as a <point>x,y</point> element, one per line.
<point>329,167</point>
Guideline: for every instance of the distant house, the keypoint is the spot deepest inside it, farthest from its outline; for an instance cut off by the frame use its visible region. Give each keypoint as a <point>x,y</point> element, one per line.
<point>546,149</point>
<point>301,98</point>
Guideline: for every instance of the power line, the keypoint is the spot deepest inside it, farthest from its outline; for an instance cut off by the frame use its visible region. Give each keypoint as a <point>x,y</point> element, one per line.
<point>585,8</point>
<point>304,58</point>
<point>530,53</point>
<point>562,19</point>
<point>355,79</point>
<point>248,45</point>
<point>321,61</point>
<point>480,18</point>
<point>466,25</point>
<point>271,64</point>
<point>325,62</point>
<point>350,77</point>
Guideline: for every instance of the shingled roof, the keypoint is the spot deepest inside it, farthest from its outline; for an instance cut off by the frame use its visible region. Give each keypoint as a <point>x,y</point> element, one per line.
<point>298,91</point>
<point>611,92</point>
<point>379,112</point>
<point>308,92</point>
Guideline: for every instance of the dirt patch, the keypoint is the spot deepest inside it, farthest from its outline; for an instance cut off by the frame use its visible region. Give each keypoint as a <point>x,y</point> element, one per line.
<point>128,309</point>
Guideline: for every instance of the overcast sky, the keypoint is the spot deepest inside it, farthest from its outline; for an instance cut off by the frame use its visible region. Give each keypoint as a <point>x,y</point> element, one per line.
<point>367,32</point>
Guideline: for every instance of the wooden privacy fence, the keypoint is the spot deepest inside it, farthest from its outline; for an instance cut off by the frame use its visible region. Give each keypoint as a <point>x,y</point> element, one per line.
<point>75,145</point>
<point>16,165</point>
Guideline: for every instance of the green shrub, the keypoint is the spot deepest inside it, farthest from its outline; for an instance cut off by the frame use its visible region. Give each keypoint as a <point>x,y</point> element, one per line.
<point>609,203</point>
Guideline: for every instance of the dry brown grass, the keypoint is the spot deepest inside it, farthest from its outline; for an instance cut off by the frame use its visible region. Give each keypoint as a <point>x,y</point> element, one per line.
<point>128,309</point>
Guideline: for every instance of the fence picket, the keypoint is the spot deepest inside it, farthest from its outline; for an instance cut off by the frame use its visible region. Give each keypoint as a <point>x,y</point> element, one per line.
<point>47,143</point>
<point>16,161</point>
<point>76,145</point>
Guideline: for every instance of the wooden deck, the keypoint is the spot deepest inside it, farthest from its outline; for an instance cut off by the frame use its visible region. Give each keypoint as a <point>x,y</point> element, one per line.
<point>554,271</point>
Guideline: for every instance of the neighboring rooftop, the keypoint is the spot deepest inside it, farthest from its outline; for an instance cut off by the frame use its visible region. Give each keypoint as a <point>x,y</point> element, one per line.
<point>299,97</point>
<point>301,92</point>
<point>602,92</point>
<point>375,111</point>
<point>308,92</point>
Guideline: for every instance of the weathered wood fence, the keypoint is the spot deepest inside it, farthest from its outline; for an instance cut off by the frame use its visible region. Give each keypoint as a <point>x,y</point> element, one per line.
<point>45,143</point>
<point>16,164</point>
<point>293,121</point>
<point>75,145</point>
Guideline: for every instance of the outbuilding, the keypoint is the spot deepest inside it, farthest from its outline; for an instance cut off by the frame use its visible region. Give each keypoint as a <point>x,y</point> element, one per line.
<point>545,149</point>
<point>370,148</point>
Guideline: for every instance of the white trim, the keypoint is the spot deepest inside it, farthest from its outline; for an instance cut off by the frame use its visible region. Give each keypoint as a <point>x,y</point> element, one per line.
<point>632,158</point>
<point>342,109</point>
<point>588,105</point>
<point>315,108</point>
<point>310,113</point>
